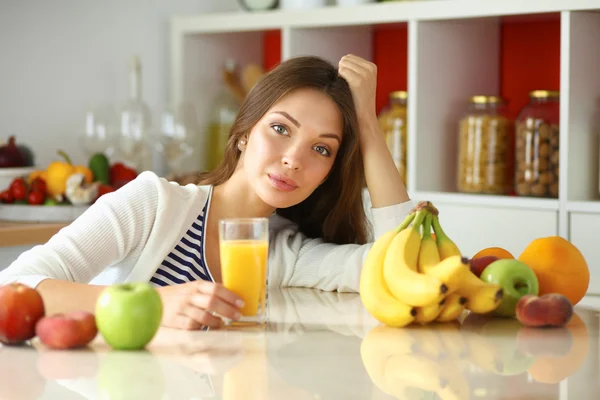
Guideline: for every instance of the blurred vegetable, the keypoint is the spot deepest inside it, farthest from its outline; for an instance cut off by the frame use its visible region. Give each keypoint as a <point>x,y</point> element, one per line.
<point>36,198</point>
<point>58,172</point>
<point>6,197</point>
<point>120,174</point>
<point>18,189</point>
<point>78,192</point>
<point>10,155</point>
<point>100,167</point>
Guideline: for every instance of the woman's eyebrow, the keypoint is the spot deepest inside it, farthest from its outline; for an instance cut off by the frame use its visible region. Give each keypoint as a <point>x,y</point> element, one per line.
<point>288,116</point>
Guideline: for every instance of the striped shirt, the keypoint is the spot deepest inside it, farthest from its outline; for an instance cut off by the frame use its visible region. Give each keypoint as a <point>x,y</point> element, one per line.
<point>186,261</point>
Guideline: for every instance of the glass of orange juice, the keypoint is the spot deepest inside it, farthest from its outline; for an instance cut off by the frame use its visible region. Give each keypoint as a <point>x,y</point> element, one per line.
<point>244,250</point>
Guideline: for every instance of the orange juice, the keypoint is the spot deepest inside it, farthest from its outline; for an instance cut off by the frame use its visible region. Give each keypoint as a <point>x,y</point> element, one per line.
<point>243,267</point>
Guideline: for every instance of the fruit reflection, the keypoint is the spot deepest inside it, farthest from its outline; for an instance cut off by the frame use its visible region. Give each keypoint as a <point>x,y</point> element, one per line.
<point>487,352</point>
<point>412,362</point>
<point>19,377</point>
<point>130,375</point>
<point>553,368</point>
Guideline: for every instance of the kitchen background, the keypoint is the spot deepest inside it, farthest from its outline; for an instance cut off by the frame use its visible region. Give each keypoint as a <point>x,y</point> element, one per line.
<point>60,58</point>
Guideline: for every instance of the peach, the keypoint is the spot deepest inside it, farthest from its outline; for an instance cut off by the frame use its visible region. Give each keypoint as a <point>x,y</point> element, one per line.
<point>477,265</point>
<point>67,331</point>
<point>551,309</point>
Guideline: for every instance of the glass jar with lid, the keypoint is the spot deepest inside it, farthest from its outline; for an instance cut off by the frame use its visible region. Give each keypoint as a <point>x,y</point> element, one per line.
<point>485,147</point>
<point>537,145</point>
<point>393,122</point>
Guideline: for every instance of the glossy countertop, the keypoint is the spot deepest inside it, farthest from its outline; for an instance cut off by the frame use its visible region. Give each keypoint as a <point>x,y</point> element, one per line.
<point>322,345</point>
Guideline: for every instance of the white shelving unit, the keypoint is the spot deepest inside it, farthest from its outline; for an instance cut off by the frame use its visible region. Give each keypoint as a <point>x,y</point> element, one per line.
<point>453,53</point>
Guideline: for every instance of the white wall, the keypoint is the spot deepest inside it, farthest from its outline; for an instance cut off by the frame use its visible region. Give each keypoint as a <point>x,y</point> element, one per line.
<point>58,57</point>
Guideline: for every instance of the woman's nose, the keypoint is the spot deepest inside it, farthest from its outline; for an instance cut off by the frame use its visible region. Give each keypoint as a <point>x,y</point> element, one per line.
<point>292,158</point>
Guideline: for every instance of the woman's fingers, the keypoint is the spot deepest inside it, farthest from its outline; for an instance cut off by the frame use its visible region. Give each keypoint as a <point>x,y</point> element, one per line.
<point>217,290</point>
<point>202,317</point>
<point>349,74</point>
<point>358,64</point>
<point>214,304</point>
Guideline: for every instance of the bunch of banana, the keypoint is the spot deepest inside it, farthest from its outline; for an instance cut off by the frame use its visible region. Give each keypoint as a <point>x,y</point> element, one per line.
<point>408,276</point>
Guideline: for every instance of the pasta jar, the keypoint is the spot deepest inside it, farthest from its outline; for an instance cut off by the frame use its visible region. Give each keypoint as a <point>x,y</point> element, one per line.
<point>485,147</point>
<point>537,145</point>
<point>392,120</point>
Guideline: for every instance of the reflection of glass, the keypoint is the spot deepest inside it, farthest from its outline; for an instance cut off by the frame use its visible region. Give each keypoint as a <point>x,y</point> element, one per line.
<point>98,133</point>
<point>244,248</point>
<point>177,132</point>
<point>135,123</point>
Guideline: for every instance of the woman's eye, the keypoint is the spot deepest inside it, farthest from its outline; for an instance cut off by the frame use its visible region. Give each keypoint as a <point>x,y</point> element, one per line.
<point>322,150</point>
<point>280,129</point>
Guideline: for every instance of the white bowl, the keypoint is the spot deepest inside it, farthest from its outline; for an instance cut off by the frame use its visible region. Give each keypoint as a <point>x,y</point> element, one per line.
<point>7,175</point>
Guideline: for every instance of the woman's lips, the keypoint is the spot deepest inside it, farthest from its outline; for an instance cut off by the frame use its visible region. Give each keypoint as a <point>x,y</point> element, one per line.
<point>282,183</point>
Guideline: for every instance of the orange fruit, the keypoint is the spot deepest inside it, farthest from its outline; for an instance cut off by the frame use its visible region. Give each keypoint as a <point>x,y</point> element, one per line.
<point>559,266</point>
<point>494,251</point>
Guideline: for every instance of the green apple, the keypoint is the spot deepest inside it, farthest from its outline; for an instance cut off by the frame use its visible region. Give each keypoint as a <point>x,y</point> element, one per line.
<point>128,315</point>
<point>515,278</point>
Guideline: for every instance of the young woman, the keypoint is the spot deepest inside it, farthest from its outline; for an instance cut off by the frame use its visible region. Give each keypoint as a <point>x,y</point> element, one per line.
<point>305,142</point>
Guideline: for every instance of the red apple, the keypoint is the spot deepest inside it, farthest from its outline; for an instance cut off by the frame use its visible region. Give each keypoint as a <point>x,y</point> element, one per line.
<point>477,265</point>
<point>20,309</point>
<point>67,331</point>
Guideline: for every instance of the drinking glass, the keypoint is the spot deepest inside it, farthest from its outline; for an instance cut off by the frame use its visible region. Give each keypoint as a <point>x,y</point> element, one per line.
<point>244,250</point>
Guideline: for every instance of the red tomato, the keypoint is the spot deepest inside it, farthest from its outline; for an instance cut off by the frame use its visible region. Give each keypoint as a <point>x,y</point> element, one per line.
<point>6,197</point>
<point>38,185</point>
<point>18,188</point>
<point>36,198</point>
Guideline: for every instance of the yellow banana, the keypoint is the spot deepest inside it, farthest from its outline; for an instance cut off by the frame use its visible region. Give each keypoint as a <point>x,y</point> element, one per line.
<point>400,269</point>
<point>429,256</point>
<point>482,297</point>
<point>453,307</point>
<point>374,292</point>
<point>446,247</point>
<point>413,370</point>
<point>429,312</point>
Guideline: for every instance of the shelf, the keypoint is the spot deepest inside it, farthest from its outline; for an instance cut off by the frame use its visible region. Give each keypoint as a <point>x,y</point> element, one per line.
<point>27,233</point>
<point>488,200</point>
<point>584,206</point>
<point>376,13</point>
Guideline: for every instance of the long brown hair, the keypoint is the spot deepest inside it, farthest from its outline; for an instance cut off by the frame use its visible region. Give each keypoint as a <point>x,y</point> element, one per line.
<point>334,211</point>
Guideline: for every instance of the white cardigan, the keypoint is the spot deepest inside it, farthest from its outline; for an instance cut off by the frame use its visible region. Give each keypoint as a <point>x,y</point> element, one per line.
<point>126,234</point>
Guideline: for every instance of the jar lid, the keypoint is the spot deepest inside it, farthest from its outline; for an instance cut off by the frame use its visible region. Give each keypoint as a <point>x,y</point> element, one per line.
<point>542,94</point>
<point>399,94</point>
<point>480,99</point>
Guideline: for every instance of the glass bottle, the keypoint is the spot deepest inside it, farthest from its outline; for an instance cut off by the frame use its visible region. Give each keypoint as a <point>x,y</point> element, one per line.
<point>537,145</point>
<point>135,123</point>
<point>485,147</point>
<point>223,113</point>
<point>393,123</point>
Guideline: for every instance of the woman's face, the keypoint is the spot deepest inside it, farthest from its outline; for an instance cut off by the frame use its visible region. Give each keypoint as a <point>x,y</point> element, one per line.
<point>291,150</point>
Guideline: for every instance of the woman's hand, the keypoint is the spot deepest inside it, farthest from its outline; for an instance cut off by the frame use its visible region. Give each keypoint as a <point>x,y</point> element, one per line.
<point>383,179</point>
<point>195,305</point>
<point>361,76</point>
